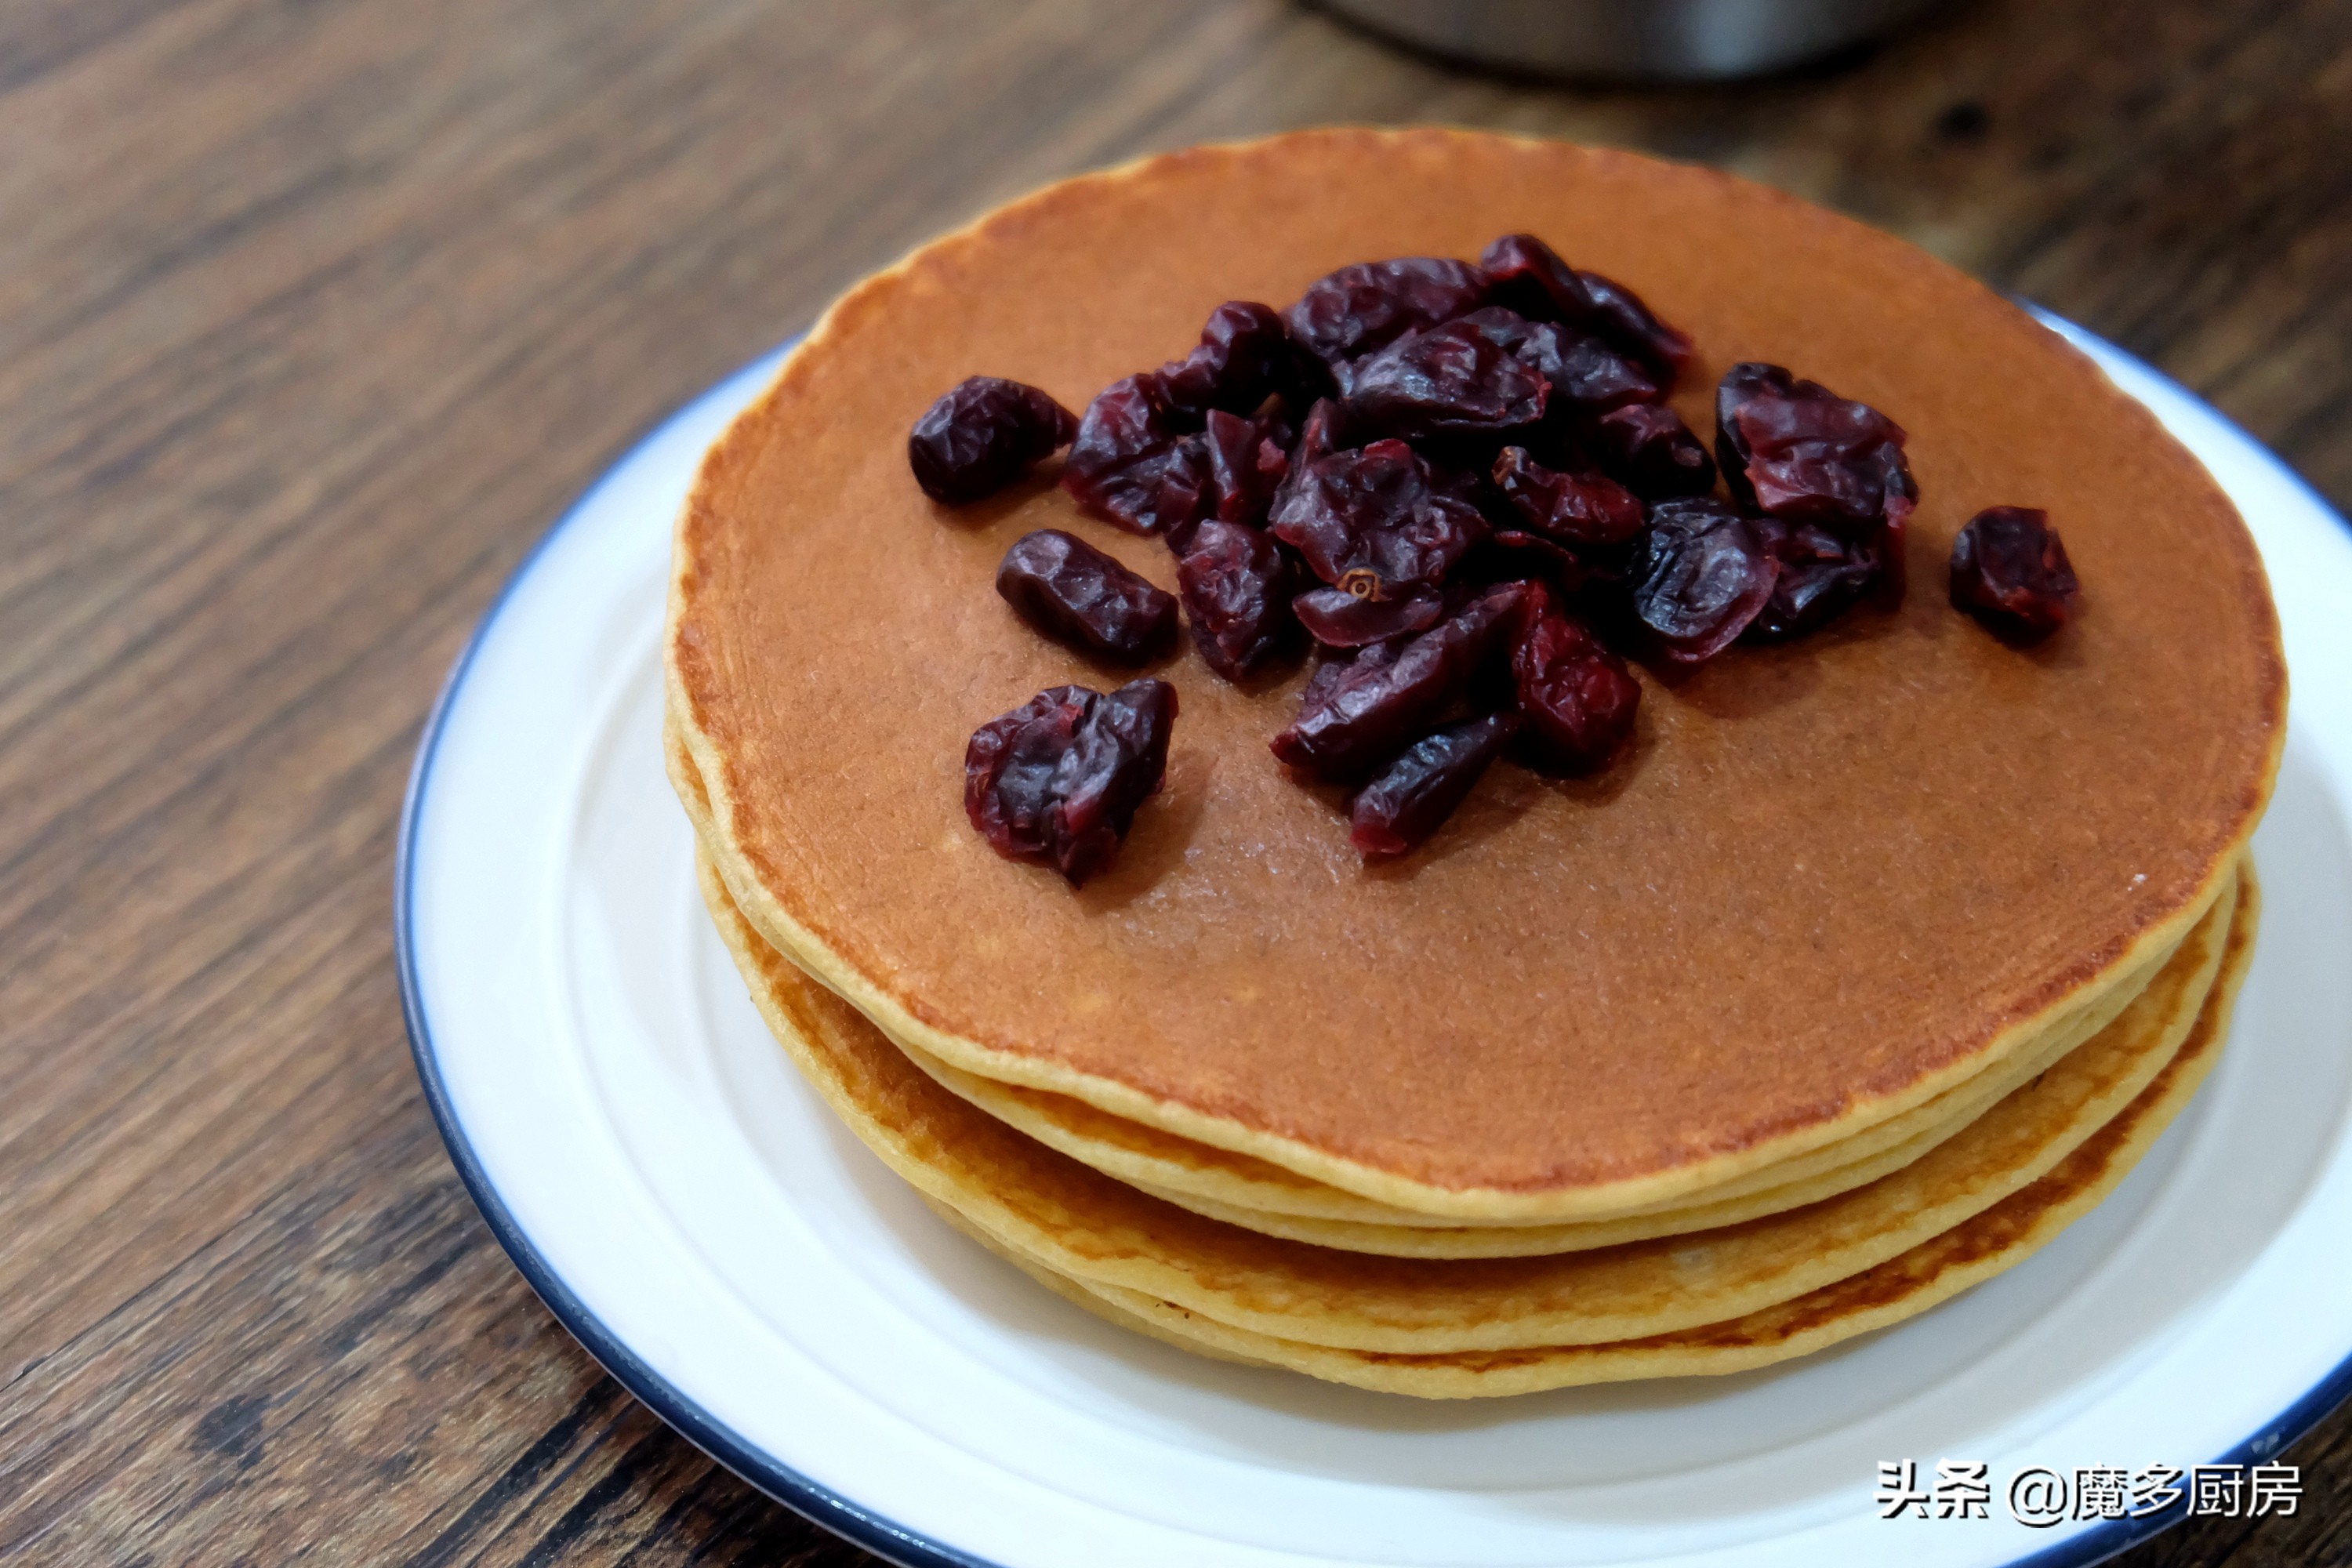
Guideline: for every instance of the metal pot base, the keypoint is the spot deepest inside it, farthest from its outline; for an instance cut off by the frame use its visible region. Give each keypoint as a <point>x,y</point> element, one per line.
<point>1639,40</point>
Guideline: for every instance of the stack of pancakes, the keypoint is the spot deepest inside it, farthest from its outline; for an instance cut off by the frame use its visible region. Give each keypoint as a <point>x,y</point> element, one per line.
<point>1884,956</point>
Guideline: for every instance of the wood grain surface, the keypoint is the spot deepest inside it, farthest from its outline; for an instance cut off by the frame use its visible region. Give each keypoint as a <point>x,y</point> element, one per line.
<point>313,313</point>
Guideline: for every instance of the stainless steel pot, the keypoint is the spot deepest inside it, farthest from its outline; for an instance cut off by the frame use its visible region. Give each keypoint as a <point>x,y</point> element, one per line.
<point>1653,40</point>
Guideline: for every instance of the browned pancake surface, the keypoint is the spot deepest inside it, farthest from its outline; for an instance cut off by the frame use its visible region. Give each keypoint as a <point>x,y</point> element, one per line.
<point>1827,871</point>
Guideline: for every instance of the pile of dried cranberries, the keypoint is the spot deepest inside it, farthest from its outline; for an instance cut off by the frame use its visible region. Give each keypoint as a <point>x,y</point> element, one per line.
<point>1464,484</point>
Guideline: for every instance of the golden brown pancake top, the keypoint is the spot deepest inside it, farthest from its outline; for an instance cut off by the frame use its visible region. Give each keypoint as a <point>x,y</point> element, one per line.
<point>1826,873</point>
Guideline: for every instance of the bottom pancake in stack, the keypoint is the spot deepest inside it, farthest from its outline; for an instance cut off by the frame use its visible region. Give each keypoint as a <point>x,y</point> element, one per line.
<point>1990,1185</point>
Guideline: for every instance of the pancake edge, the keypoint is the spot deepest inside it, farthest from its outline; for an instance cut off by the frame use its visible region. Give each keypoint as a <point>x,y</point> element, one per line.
<point>1824,1171</point>
<point>1225,1195</point>
<point>1178,1285</point>
<point>1793,1329</point>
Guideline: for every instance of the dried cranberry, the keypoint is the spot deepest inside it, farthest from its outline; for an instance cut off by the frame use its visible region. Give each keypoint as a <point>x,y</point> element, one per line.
<point>1573,507</point>
<point>1797,450</point>
<point>1529,276</point>
<point>1133,443</point>
<point>1322,434</point>
<point>1141,456</point>
<point>1373,521</point>
<point>1317,439</point>
<point>1701,577</point>
<point>1247,460</point>
<point>1244,356</point>
<point>1584,373</point>
<point>1361,309</point>
<point>1187,491</point>
<point>1513,555</point>
<point>1621,318</point>
<point>982,436</point>
<point>1646,448</point>
<point>1236,586</point>
<point>1820,576</point>
<point>1328,672</point>
<point>1449,380</point>
<point>1469,485</point>
<point>1231,471</point>
<point>1077,595</point>
<point>1411,797</point>
<point>1578,699</point>
<point>1058,779</point>
<point>1337,618</point>
<point>1350,721</point>
<point>1591,377</point>
<point>2010,572</point>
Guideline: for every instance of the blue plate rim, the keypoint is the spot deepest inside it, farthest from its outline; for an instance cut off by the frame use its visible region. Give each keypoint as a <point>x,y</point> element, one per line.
<point>820,1504</point>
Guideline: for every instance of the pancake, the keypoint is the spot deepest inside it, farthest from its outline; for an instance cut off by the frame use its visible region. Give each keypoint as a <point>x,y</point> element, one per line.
<point>1928,1274</point>
<point>1089,1135</point>
<point>1235,1187</point>
<point>1835,881</point>
<point>1075,1222</point>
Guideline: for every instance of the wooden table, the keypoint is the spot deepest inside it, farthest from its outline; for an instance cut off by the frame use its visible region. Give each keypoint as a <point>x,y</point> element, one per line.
<point>313,315</point>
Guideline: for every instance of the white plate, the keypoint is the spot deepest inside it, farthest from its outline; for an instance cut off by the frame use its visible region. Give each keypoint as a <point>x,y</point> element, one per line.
<point>693,1213</point>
